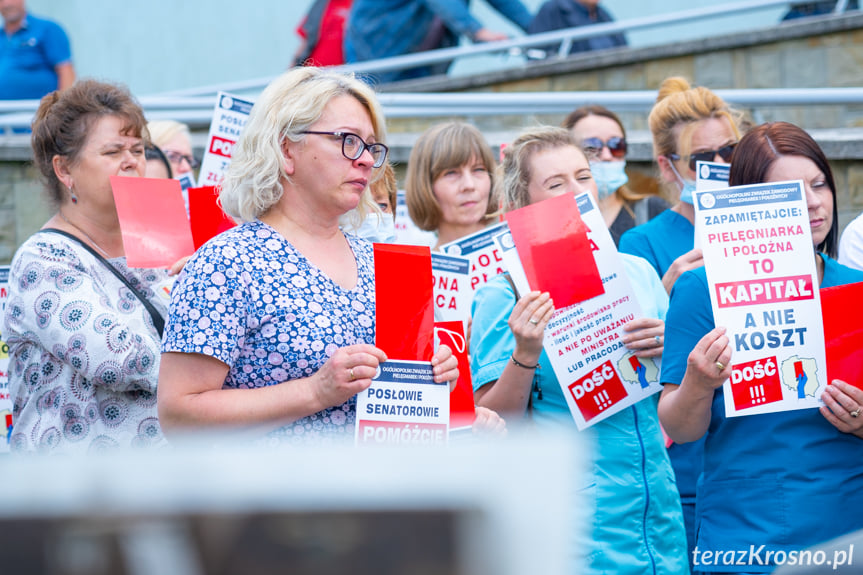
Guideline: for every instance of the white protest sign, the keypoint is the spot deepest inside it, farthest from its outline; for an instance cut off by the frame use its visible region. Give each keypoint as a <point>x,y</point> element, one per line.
<point>229,118</point>
<point>764,289</point>
<point>403,406</point>
<point>709,176</point>
<point>452,293</point>
<point>485,259</point>
<point>5,398</point>
<point>407,232</point>
<point>598,375</point>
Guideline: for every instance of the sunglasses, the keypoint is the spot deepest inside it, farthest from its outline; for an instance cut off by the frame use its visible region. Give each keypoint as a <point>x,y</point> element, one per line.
<point>725,152</point>
<point>594,146</point>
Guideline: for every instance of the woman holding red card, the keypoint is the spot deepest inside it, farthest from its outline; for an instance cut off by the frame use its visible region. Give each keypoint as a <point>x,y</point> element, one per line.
<point>83,328</point>
<point>768,479</point>
<point>272,323</point>
<point>637,526</point>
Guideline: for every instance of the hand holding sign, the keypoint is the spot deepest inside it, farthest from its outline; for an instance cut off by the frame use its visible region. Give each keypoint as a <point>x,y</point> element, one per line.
<point>348,372</point>
<point>841,402</point>
<point>709,364</point>
<point>528,319</point>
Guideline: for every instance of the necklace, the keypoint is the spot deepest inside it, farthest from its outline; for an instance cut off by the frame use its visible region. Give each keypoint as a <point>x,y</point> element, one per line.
<point>95,245</point>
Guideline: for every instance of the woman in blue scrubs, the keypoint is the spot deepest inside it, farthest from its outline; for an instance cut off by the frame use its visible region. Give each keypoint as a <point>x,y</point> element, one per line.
<point>688,124</point>
<point>773,484</point>
<point>635,522</point>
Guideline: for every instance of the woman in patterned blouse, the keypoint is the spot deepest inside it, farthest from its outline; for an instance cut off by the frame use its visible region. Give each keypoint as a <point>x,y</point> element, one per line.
<point>272,323</point>
<point>83,347</point>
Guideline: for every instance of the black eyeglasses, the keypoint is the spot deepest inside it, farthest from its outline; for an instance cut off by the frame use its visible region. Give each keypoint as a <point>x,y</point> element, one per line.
<point>593,146</point>
<point>177,158</point>
<point>353,147</point>
<point>725,152</point>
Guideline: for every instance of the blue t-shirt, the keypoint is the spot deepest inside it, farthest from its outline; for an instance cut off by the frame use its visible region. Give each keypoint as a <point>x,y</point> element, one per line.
<point>29,58</point>
<point>786,480</point>
<point>637,526</point>
<point>251,300</point>
<point>660,241</point>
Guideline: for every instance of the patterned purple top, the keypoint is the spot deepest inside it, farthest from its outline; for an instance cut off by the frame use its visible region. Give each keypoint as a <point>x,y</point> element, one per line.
<point>84,354</point>
<point>251,300</point>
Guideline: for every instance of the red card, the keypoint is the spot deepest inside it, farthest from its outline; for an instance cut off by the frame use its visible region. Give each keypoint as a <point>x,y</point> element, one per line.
<point>404,310</point>
<point>843,332</point>
<point>554,250</point>
<point>462,411</point>
<point>153,221</point>
<point>206,215</point>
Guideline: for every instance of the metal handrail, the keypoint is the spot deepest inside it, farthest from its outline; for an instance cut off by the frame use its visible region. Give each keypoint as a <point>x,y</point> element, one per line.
<point>521,43</point>
<point>198,111</point>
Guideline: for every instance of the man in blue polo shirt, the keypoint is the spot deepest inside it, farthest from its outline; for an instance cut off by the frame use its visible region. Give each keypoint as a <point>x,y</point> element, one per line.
<point>35,58</point>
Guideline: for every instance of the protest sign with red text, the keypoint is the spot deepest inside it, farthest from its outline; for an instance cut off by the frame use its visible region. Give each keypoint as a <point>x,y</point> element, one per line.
<point>229,118</point>
<point>763,285</point>
<point>598,375</point>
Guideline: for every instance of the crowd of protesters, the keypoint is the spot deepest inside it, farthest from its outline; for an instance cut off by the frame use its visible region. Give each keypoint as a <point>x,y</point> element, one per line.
<point>270,326</point>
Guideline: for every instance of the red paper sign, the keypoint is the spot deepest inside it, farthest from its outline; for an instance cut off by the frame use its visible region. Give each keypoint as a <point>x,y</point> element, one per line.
<point>597,391</point>
<point>554,250</point>
<point>206,215</point>
<point>404,310</point>
<point>153,221</point>
<point>756,383</point>
<point>462,410</point>
<point>843,332</point>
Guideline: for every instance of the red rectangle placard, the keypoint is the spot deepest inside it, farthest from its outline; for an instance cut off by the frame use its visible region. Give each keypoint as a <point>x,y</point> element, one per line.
<point>843,332</point>
<point>554,250</point>
<point>462,410</point>
<point>206,215</point>
<point>153,221</point>
<point>404,309</point>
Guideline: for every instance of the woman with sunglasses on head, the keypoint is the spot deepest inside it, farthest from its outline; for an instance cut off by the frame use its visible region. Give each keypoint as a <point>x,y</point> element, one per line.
<point>603,140</point>
<point>448,189</point>
<point>272,324</point>
<point>688,124</point>
<point>634,521</point>
<point>785,480</point>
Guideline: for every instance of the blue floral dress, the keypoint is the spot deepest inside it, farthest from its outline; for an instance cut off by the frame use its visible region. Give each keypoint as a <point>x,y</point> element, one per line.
<point>83,351</point>
<point>251,300</point>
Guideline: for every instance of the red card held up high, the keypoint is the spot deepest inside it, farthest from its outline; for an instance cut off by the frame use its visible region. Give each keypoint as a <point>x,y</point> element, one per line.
<point>153,221</point>
<point>462,411</point>
<point>554,250</point>
<point>843,333</point>
<point>404,310</point>
<point>206,215</point>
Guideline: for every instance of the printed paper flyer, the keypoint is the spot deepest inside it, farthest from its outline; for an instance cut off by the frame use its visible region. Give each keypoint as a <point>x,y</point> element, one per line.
<point>403,406</point>
<point>709,176</point>
<point>5,399</point>
<point>484,255</point>
<point>764,289</point>
<point>452,293</point>
<point>598,375</point>
<point>229,118</point>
